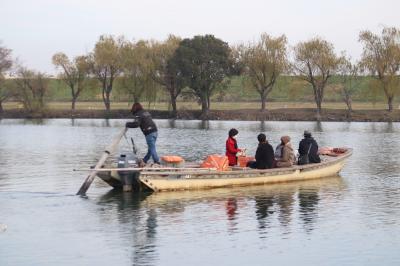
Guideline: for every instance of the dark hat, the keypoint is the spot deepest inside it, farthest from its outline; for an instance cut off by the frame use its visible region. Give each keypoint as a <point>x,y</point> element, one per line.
<point>307,133</point>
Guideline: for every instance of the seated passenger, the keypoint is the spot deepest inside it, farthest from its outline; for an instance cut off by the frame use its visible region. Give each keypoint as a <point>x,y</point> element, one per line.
<point>308,149</point>
<point>288,158</point>
<point>232,147</point>
<point>264,154</point>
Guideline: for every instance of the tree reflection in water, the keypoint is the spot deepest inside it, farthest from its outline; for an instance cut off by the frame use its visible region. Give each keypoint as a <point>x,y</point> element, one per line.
<point>308,201</point>
<point>140,221</point>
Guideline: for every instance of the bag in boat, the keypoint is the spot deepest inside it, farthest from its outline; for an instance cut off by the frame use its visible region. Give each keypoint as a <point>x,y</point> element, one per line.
<point>303,159</point>
<point>243,160</point>
<point>219,162</point>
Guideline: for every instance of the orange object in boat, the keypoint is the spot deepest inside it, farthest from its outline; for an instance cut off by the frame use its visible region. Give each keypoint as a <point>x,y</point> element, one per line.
<point>172,159</point>
<point>220,162</point>
<point>243,160</point>
<point>339,150</point>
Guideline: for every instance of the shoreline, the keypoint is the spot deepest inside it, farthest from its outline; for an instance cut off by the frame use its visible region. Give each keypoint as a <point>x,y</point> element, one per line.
<point>287,114</point>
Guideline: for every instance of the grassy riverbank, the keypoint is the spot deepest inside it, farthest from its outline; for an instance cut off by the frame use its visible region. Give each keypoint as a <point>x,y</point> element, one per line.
<point>277,111</point>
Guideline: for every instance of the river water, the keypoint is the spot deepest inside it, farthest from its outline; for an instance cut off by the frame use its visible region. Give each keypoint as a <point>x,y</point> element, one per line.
<point>351,219</point>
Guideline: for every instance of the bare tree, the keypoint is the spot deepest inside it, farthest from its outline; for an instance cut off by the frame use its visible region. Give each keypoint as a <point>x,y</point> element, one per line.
<point>31,88</point>
<point>137,67</point>
<point>165,72</point>
<point>315,62</point>
<point>74,73</point>
<point>349,80</point>
<point>381,57</point>
<point>6,63</point>
<point>263,62</point>
<point>105,62</point>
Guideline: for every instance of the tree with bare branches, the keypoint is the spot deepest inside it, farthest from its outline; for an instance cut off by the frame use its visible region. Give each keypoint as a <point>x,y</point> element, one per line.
<point>74,73</point>
<point>6,63</point>
<point>105,62</point>
<point>31,88</point>
<point>165,72</point>
<point>315,62</point>
<point>263,62</point>
<point>137,68</point>
<point>349,79</point>
<point>381,57</point>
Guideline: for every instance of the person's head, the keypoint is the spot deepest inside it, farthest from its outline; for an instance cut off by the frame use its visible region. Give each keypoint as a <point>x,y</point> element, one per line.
<point>136,107</point>
<point>262,138</point>
<point>307,134</point>
<point>233,132</point>
<point>285,140</point>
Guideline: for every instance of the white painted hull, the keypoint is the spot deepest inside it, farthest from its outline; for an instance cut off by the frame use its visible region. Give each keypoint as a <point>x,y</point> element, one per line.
<point>165,182</point>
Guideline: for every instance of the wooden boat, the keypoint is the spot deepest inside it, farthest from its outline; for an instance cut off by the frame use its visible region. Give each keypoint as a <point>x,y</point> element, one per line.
<point>193,178</point>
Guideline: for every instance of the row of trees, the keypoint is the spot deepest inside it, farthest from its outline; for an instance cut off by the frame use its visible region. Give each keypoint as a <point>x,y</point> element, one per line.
<point>29,87</point>
<point>203,64</point>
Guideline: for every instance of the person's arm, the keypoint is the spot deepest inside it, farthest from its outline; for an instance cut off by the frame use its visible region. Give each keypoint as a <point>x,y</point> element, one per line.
<point>134,124</point>
<point>301,148</point>
<point>230,147</point>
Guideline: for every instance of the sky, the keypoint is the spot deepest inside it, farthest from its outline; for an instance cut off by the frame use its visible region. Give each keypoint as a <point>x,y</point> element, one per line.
<point>37,29</point>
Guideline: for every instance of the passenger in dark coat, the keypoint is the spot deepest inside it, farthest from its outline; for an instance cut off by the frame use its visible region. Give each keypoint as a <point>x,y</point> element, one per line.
<point>145,122</point>
<point>264,154</point>
<point>304,145</point>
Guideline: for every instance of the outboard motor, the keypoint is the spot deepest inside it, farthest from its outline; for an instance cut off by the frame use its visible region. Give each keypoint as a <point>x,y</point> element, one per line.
<point>128,161</point>
<point>129,179</point>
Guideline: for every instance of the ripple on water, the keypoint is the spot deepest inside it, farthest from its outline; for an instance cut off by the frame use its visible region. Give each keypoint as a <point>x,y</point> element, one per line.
<point>351,219</point>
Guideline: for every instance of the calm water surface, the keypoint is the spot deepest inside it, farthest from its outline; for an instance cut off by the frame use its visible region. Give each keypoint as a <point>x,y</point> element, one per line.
<point>351,219</point>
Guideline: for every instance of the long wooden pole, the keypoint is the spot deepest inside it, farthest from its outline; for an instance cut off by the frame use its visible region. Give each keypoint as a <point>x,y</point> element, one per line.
<point>138,169</point>
<point>109,150</point>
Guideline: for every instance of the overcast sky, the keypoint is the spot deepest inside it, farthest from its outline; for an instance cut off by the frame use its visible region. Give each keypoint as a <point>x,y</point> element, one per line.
<point>36,29</point>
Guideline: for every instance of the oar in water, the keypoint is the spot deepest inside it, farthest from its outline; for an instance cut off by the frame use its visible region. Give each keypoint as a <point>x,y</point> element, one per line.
<point>109,150</point>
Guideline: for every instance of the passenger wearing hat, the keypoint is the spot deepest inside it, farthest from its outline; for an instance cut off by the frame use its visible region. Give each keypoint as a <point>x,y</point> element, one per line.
<point>287,159</point>
<point>308,146</point>
<point>264,154</point>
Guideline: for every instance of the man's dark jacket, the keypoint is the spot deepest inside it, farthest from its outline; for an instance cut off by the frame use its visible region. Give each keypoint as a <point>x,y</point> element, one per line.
<point>144,121</point>
<point>264,156</point>
<point>313,154</point>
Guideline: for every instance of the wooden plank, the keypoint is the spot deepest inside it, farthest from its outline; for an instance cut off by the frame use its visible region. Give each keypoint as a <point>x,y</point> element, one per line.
<point>109,150</point>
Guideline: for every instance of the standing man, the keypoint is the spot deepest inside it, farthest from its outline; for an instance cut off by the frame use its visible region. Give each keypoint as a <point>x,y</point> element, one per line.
<point>145,122</point>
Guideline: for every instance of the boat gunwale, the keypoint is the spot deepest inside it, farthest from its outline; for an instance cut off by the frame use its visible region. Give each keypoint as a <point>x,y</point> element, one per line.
<point>246,171</point>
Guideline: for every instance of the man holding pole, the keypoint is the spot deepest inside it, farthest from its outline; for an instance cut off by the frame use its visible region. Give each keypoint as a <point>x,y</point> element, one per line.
<point>145,122</point>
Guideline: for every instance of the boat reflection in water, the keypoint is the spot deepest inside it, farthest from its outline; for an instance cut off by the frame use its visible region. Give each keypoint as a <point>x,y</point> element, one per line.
<point>151,216</point>
<point>138,224</point>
